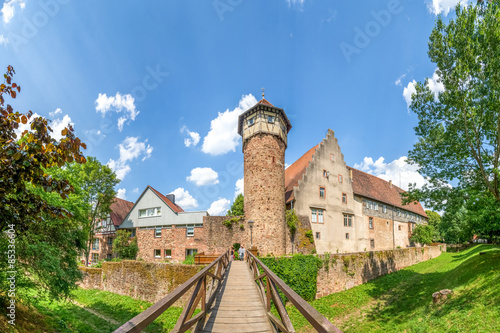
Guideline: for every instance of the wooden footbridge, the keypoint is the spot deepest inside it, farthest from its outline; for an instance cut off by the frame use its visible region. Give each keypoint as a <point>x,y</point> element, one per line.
<point>232,296</point>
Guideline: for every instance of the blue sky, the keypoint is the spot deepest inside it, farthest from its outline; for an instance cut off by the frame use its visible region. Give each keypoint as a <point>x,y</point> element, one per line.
<point>155,87</point>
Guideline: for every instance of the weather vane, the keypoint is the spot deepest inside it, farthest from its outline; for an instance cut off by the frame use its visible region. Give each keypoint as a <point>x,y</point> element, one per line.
<point>262,92</point>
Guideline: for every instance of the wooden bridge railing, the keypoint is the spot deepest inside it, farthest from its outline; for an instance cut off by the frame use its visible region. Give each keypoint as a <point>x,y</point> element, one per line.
<point>200,293</point>
<point>267,283</point>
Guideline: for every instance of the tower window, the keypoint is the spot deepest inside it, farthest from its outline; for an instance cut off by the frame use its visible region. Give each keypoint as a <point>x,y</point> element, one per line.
<point>251,121</point>
<point>322,192</point>
<point>270,119</point>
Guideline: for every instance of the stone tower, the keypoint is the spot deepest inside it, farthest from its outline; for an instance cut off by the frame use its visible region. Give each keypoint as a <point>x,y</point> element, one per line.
<point>264,129</point>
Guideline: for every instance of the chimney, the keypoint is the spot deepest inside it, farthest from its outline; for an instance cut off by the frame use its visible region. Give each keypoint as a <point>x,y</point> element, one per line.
<point>350,174</point>
<point>171,197</point>
<point>390,183</point>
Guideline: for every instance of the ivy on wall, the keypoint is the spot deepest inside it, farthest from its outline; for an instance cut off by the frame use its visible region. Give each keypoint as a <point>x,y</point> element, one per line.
<point>299,272</point>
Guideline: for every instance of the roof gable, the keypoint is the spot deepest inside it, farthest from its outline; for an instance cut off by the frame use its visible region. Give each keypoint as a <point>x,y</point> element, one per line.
<point>119,210</point>
<point>295,172</point>
<point>176,208</point>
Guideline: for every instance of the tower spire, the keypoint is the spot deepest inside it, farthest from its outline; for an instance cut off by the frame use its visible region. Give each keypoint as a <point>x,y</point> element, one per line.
<point>263,92</point>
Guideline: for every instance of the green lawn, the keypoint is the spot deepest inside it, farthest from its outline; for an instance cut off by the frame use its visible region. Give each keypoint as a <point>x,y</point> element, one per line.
<point>402,301</point>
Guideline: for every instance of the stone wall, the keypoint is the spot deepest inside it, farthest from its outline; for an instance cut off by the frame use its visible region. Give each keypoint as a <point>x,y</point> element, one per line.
<point>148,281</point>
<point>348,270</point>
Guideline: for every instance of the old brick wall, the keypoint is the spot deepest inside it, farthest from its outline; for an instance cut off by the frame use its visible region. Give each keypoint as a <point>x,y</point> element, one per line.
<point>345,271</point>
<point>148,281</point>
<point>92,278</point>
<point>221,238</point>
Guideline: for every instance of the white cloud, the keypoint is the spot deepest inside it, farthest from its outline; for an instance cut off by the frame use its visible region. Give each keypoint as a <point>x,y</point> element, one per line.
<point>3,40</point>
<point>240,187</point>
<point>408,91</point>
<point>203,176</point>
<point>55,112</point>
<point>184,199</point>
<point>444,6</point>
<point>398,81</point>
<point>58,125</point>
<point>223,136</point>
<point>193,139</point>
<point>400,172</point>
<point>295,2</point>
<point>8,9</point>
<point>130,149</point>
<point>135,190</point>
<point>219,207</point>
<point>435,85</point>
<point>118,103</point>
<point>121,193</point>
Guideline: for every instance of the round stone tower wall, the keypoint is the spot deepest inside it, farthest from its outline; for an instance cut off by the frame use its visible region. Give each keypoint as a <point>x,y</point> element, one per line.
<point>264,174</point>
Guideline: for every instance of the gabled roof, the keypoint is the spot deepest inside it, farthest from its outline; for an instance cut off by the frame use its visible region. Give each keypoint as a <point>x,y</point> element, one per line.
<point>363,184</point>
<point>295,171</point>
<point>372,187</point>
<point>119,210</point>
<point>174,207</point>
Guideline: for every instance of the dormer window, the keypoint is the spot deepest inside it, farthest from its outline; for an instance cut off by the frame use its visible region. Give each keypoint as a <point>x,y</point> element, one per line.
<point>251,121</point>
<point>270,119</point>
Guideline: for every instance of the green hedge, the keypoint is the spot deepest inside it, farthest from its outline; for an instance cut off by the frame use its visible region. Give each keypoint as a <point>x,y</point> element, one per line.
<point>298,272</point>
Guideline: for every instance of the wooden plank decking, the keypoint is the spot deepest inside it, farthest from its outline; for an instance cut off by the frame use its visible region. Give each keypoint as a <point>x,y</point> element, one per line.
<point>238,306</point>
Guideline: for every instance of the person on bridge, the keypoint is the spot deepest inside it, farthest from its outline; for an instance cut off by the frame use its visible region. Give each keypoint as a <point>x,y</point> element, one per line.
<point>241,252</point>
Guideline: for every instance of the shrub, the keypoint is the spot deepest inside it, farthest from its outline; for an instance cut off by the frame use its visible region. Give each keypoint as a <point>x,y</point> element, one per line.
<point>189,260</point>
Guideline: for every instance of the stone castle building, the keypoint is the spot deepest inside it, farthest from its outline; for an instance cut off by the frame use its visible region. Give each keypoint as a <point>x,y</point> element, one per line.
<point>264,129</point>
<point>346,210</point>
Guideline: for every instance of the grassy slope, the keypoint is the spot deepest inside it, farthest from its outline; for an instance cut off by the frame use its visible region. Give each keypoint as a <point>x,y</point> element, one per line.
<point>63,316</point>
<point>402,301</point>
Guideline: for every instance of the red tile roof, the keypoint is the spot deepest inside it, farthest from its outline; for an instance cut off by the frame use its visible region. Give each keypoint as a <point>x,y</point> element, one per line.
<point>295,171</point>
<point>372,187</point>
<point>265,101</point>
<point>176,208</point>
<point>363,184</point>
<point>119,210</point>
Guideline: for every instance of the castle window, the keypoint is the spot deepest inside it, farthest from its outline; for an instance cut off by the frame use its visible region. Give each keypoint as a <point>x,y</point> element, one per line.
<point>370,222</point>
<point>344,198</point>
<point>347,220</point>
<point>375,205</point>
<point>384,208</point>
<point>318,235</point>
<point>168,254</point>
<point>157,232</point>
<point>372,243</point>
<point>317,215</point>
<point>325,173</point>
<point>251,121</point>
<point>340,179</point>
<point>399,227</point>
<point>346,235</point>
<point>110,241</point>
<point>270,119</point>
<point>322,192</point>
<point>191,252</point>
<point>157,253</point>
<point>95,244</point>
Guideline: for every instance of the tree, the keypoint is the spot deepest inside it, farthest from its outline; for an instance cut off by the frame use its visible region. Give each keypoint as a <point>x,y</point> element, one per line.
<point>45,238</point>
<point>423,234</point>
<point>23,163</point>
<point>96,183</point>
<point>459,127</point>
<point>237,207</point>
<point>125,246</point>
<point>434,221</point>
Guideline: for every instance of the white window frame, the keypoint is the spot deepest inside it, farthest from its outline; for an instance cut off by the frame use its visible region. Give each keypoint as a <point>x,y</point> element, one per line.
<point>271,119</point>
<point>251,121</point>
<point>165,252</point>
<point>155,253</point>
<point>347,220</point>
<point>314,215</point>
<point>321,216</point>
<point>190,231</point>
<point>149,212</point>
<point>95,244</point>
<point>157,232</point>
